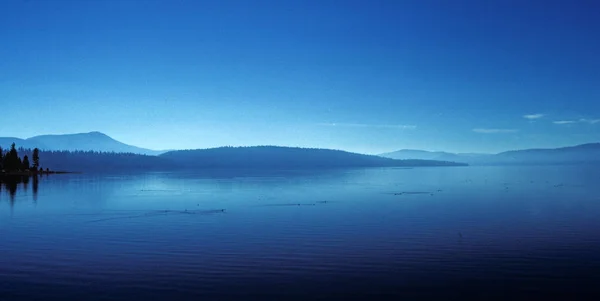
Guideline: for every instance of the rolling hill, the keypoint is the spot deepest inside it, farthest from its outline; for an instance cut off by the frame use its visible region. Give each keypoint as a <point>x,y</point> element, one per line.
<point>276,157</point>
<point>289,157</point>
<point>93,141</point>
<point>585,153</point>
<point>406,154</point>
<point>80,161</point>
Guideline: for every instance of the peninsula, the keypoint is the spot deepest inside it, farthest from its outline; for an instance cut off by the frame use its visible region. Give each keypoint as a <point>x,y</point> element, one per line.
<point>11,164</point>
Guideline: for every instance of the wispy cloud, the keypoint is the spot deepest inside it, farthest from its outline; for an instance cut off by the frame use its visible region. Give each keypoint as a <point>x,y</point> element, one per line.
<point>582,120</point>
<point>565,122</point>
<point>533,116</point>
<point>494,131</point>
<point>366,125</point>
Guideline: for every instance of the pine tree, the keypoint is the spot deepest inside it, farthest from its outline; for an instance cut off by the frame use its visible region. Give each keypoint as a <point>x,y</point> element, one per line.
<point>11,162</point>
<point>4,161</point>
<point>36,158</point>
<point>26,164</point>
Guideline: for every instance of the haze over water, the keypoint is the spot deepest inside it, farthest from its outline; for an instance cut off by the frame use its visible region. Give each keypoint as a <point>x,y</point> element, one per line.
<point>468,232</point>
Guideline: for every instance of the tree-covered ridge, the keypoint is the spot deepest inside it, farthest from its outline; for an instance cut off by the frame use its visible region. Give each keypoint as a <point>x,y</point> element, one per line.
<point>84,161</point>
<point>20,160</point>
<point>12,162</point>
<point>277,157</point>
<point>256,157</point>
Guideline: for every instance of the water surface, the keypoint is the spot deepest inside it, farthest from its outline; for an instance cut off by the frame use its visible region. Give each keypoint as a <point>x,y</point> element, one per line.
<point>386,233</point>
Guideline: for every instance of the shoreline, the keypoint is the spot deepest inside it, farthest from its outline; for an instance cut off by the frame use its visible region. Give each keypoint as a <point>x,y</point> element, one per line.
<point>31,174</point>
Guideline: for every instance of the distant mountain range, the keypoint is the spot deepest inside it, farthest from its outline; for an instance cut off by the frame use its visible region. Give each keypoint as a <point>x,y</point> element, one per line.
<point>75,152</point>
<point>406,154</point>
<point>271,156</point>
<point>250,158</point>
<point>93,141</point>
<point>585,153</point>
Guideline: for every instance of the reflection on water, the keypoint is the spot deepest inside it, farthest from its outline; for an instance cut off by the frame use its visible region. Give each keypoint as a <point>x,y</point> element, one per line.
<point>12,183</point>
<point>478,233</point>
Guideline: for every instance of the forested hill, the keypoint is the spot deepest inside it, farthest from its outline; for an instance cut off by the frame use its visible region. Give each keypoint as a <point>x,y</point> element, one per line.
<point>260,157</point>
<point>80,161</point>
<point>275,157</point>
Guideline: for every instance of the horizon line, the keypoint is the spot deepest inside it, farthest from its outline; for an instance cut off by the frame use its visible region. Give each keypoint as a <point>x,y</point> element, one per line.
<point>297,146</point>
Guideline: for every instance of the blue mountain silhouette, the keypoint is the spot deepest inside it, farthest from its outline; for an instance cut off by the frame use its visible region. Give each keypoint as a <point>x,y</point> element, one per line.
<point>92,141</point>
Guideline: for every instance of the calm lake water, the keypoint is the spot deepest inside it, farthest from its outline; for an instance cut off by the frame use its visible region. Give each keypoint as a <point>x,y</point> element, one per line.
<point>424,233</point>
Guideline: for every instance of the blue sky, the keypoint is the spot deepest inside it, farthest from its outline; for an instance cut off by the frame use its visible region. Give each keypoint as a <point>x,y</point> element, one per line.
<point>365,76</point>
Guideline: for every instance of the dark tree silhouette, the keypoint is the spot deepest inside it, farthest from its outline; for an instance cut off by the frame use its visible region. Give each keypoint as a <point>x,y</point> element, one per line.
<point>26,164</point>
<point>86,161</point>
<point>36,158</point>
<point>12,160</point>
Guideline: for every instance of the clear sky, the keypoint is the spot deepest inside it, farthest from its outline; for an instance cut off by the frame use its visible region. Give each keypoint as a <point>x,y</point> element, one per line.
<point>367,76</point>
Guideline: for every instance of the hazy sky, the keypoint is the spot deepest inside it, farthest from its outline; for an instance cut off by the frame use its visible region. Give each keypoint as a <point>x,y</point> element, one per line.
<point>366,76</point>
